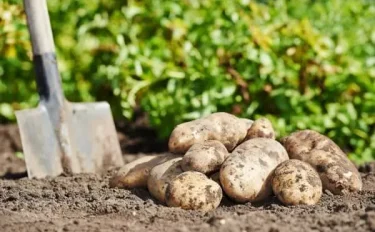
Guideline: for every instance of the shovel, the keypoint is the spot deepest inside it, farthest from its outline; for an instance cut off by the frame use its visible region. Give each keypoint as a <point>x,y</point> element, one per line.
<point>59,136</point>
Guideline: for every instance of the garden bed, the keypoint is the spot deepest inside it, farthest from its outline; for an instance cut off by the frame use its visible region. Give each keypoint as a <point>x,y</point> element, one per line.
<point>86,203</point>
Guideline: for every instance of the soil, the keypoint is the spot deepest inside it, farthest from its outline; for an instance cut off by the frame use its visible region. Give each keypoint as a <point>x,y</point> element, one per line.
<point>11,166</point>
<point>85,203</point>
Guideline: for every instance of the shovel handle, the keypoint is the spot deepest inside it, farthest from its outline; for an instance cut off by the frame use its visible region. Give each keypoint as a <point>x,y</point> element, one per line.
<point>44,58</point>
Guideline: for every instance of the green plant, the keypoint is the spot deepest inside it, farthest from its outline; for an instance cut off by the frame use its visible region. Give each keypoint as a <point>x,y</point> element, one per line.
<point>302,63</point>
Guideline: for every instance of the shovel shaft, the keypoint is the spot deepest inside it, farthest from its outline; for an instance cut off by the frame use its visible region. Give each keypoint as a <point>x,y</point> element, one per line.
<point>48,78</point>
<point>47,74</point>
<point>58,135</point>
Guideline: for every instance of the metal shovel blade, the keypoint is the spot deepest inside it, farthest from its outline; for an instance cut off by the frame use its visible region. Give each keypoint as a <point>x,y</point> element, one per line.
<point>92,140</point>
<point>94,135</point>
<point>39,142</point>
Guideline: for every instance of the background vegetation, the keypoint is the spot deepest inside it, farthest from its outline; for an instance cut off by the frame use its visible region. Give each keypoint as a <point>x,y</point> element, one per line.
<point>301,63</point>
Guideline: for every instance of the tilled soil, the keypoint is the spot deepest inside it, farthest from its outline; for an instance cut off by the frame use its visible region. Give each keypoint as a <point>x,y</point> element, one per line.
<point>86,203</point>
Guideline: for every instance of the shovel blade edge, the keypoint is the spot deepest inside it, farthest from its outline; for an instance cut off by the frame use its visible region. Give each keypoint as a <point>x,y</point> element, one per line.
<point>92,136</point>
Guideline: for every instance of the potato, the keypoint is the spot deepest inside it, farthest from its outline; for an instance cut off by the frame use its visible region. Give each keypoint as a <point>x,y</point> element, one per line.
<point>135,173</point>
<point>261,128</point>
<point>338,174</point>
<point>246,174</point>
<point>295,182</point>
<point>205,157</point>
<point>193,191</point>
<point>223,127</point>
<point>160,176</point>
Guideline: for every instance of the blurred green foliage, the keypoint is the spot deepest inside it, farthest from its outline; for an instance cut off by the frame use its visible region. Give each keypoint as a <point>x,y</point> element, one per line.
<point>301,63</point>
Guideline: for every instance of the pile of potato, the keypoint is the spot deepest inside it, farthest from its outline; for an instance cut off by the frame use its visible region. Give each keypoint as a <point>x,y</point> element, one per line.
<point>223,154</point>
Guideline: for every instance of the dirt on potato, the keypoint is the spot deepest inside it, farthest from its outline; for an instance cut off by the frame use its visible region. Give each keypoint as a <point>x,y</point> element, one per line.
<point>86,203</point>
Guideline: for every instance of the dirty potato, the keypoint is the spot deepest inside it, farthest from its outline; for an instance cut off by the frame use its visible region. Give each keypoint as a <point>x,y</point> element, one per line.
<point>205,157</point>
<point>295,182</point>
<point>160,176</point>
<point>246,174</point>
<point>337,172</point>
<point>261,128</point>
<point>223,127</point>
<point>135,173</point>
<point>193,191</point>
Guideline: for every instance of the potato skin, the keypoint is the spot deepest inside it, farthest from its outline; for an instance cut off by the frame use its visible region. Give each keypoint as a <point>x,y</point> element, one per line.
<point>261,128</point>
<point>304,141</point>
<point>246,174</point>
<point>205,157</point>
<point>337,172</point>
<point>160,176</point>
<point>224,127</point>
<point>135,173</point>
<point>295,182</point>
<point>193,191</point>
<point>271,147</point>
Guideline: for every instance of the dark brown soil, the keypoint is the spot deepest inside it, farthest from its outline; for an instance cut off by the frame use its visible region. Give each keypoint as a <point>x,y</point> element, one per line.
<point>86,203</point>
<point>10,142</point>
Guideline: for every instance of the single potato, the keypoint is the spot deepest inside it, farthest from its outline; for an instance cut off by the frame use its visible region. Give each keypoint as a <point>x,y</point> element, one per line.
<point>223,127</point>
<point>193,191</point>
<point>295,182</point>
<point>246,174</point>
<point>261,128</point>
<point>205,157</point>
<point>337,172</point>
<point>160,176</point>
<point>135,173</point>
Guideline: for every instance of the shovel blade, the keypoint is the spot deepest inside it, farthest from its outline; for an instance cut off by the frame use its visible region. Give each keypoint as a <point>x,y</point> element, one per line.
<point>90,138</point>
<point>39,142</point>
<point>93,135</point>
